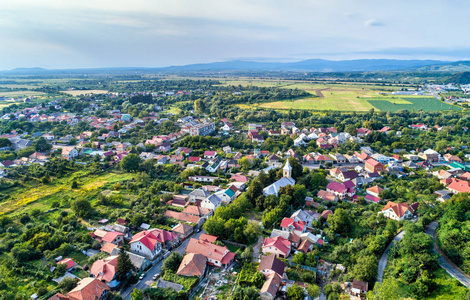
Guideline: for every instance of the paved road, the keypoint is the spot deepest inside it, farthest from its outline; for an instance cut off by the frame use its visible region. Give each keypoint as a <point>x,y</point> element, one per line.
<point>384,258</point>
<point>157,268</point>
<point>445,262</point>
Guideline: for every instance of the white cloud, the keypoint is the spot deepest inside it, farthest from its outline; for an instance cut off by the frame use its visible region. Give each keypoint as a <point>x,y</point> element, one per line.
<point>373,23</point>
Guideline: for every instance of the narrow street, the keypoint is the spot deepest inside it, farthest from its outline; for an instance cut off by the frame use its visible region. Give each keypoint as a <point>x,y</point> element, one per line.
<point>384,258</point>
<point>157,268</point>
<point>445,262</point>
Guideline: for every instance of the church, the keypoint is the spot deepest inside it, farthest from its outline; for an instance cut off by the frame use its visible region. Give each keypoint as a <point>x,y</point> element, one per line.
<point>286,180</point>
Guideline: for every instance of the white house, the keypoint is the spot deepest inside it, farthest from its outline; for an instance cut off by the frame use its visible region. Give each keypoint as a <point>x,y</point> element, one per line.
<point>396,211</point>
<point>149,243</point>
<point>212,202</point>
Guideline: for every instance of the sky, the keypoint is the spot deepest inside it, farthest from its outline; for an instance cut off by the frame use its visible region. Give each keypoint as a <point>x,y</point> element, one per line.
<point>156,33</point>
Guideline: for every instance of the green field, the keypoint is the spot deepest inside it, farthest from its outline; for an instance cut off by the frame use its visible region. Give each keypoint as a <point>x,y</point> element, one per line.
<point>345,97</point>
<point>426,104</point>
<point>21,94</point>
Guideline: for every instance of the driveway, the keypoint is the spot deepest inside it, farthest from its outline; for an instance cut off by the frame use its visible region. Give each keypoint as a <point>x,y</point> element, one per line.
<point>445,262</point>
<point>157,268</point>
<point>257,248</point>
<point>384,258</point>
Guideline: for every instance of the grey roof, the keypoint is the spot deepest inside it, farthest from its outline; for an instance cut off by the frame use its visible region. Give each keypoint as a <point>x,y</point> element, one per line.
<point>136,260</point>
<point>200,193</point>
<point>281,233</point>
<point>274,188</point>
<point>167,284</point>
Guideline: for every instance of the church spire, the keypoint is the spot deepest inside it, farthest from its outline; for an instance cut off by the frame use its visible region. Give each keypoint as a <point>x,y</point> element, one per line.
<point>287,170</point>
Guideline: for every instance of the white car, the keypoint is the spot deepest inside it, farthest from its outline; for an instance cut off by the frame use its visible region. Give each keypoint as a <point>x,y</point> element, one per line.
<point>141,276</point>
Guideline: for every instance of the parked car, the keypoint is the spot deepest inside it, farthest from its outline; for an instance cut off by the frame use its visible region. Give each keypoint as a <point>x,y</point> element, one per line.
<point>141,276</point>
<point>155,277</point>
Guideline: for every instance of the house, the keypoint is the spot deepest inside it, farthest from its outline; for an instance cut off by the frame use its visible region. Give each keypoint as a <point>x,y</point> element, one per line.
<point>270,287</point>
<point>69,152</point>
<point>452,158</point>
<point>216,255</point>
<point>196,211</point>
<point>212,202</point>
<point>278,246</point>
<point>430,156</point>
<point>149,243</point>
<point>108,247</point>
<point>198,195</point>
<point>183,230</point>
<point>193,264</point>
<point>326,213</point>
<point>291,225</point>
<point>359,288</point>
<point>105,270</point>
<point>68,262</point>
<point>443,195</point>
<point>104,236</point>
<point>271,265</point>
<point>139,262</point>
<point>182,217</point>
<point>410,164</point>
<point>326,196</point>
<point>86,289</point>
<point>347,175</point>
<point>397,211</point>
<point>373,166</point>
<point>374,191</point>
<point>163,284</point>
<point>304,246</point>
<point>459,186</point>
<point>306,216</point>
<point>273,189</point>
<point>210,154</point>
<point>341,190</point>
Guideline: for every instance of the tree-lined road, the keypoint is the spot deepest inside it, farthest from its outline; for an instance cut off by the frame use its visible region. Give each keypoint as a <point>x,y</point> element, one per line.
<point>384,258</point>
<point>445,262</point>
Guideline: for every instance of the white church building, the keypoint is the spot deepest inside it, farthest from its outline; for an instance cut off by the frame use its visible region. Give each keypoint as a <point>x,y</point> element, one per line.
<point>286,180</point>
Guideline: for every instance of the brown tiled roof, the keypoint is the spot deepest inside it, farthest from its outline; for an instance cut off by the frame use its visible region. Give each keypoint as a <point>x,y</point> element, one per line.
<point>193,264</point>
<point>108,247</point>
<point>360,285</point>
<point>399,208</point>
<point>208,238</point>
<point>271,285</point>
<point>304,246</point>
<point>270,262</point>
<point>88,289</point>
<point>182,228</point>
<point>182,217</point>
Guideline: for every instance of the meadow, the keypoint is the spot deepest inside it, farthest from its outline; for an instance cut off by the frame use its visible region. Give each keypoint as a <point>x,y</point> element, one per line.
<point>345,97</point>
<point>84,92</point>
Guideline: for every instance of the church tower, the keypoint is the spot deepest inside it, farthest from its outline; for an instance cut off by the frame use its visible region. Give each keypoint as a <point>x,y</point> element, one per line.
<point>287,170</point>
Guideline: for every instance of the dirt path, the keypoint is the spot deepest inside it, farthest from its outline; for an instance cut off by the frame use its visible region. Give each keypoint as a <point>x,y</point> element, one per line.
<point>257,248</point>
<point>319,92</point>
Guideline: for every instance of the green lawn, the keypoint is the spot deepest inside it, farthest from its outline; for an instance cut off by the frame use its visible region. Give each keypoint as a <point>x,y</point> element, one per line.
<point>414,103</point>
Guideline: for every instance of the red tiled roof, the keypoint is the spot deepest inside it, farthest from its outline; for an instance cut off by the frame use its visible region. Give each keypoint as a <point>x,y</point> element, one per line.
<point>278,242</point>
<point>398,208</point>
<point>105,269</point>
<point>288,222</point>
<point>68,262</point>
<point>193,264</point>
<point>210,251</point>
<point>88,289</point>
<point>153,236</point>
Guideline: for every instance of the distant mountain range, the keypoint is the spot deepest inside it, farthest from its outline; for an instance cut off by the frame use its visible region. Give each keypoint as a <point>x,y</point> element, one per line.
<point>310,65</point>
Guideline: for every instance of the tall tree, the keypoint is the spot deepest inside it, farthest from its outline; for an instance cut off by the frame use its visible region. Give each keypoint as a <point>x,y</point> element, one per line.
<point>124,265</point>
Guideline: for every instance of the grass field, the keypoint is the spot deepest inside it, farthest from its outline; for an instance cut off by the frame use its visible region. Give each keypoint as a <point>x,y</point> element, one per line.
<point>42,196</point>
<point>21,94</point>
<point>84,92</point>
<point>345,97</point>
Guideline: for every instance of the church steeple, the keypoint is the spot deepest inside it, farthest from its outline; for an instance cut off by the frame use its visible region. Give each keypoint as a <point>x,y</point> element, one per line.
<point>287,170</point>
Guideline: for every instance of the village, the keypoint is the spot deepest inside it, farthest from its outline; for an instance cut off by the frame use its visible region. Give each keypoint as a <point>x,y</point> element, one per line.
<point>350,177</point>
